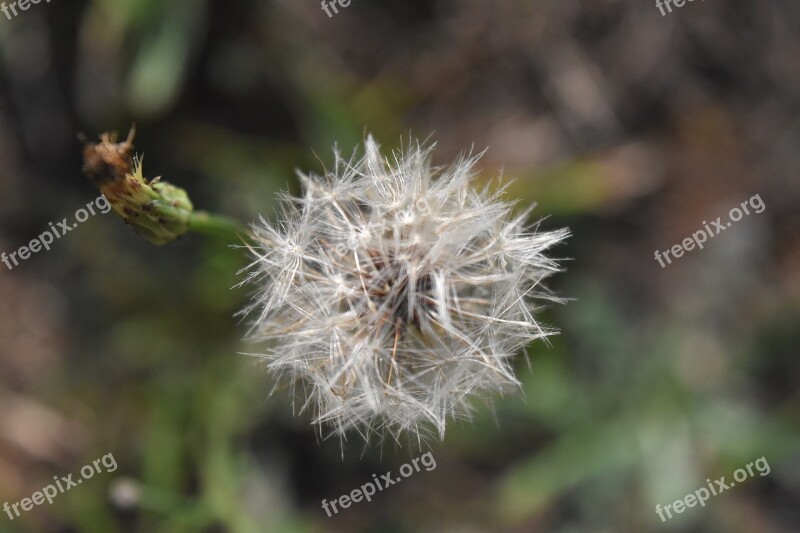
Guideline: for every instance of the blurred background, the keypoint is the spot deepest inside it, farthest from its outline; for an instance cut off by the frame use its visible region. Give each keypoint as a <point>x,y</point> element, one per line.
<point>630,127</point>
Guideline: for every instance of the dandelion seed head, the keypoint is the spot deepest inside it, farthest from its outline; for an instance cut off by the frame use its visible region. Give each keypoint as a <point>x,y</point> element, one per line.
<point>392,293</point>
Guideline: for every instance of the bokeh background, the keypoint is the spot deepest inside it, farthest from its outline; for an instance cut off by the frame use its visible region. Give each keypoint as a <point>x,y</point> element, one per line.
<point>627,126</point>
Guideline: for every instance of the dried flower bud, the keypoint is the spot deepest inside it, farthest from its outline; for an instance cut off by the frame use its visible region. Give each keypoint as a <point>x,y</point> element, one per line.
<point>156,210</point>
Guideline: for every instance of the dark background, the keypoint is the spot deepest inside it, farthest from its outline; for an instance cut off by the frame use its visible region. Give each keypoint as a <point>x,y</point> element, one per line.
<point>630,127</point>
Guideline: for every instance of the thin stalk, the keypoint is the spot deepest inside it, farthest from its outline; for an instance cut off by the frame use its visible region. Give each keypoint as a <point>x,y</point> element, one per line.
<point>217,226</point>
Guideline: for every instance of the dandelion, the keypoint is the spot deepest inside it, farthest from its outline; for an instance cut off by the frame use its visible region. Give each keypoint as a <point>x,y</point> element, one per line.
<point>392,293</point>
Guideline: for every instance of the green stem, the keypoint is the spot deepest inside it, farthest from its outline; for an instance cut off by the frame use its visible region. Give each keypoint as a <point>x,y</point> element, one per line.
<point>218,226</point>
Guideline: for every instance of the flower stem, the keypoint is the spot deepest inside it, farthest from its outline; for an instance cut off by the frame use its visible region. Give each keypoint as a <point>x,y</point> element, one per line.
<point>217,226</point>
